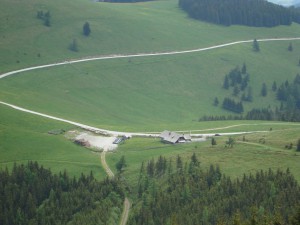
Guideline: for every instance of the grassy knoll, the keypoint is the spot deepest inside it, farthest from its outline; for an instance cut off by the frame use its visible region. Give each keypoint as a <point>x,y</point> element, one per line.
<point>25,138</point>
<point>244,157</point>
<point>116,28</point>
<point>151,93</point>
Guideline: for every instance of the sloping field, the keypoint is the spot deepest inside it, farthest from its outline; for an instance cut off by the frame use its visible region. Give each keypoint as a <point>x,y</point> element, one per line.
<point>25,138</point>
<point>132,94</point>
<point>245,157</point>
<point>151,93</point>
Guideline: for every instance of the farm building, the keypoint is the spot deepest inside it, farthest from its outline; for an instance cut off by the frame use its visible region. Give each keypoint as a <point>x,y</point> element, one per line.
<point>173,137</point>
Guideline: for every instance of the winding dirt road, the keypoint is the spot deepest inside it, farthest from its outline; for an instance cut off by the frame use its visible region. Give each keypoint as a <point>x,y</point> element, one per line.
<point>105,166</point>
<point>118,56</point>
<point>110,174</point>
<point>125,213</point>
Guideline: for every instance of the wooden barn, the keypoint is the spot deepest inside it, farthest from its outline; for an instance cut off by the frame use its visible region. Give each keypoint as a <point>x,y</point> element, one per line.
<point>173,137</point>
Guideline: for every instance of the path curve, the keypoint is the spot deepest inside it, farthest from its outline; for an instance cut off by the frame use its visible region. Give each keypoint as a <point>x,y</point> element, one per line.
<point>105,166</point>
<point>125,213</point>
<point>118,56</point>
<point>110,174</point>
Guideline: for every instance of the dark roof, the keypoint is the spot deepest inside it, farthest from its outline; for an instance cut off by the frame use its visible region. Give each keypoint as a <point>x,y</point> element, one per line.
<point>173,137</point>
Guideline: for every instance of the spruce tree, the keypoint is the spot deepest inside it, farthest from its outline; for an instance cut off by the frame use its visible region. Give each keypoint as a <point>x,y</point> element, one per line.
<point>298,145</point>
<point>74,46</point>
<point>264,90</point>
<point>213,142</point>
<point>255,45</point>
<point>216,101</point>
<point>226,82</point>
<point>86,29</point>
<point>290,48</point>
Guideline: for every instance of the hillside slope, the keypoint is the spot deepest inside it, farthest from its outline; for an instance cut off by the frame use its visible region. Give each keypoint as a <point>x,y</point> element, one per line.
<point>139,94</point>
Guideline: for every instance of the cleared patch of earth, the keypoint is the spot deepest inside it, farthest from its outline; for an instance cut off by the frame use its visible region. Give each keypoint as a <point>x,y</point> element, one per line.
<point>93,141</point>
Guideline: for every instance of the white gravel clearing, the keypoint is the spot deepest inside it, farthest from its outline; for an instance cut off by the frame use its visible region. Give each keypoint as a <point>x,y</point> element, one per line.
<point>99,142</point>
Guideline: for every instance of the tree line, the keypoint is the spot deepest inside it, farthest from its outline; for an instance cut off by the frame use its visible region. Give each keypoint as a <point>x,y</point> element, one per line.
<point>256,13</point>
<point>183,193</point>
<point>30,194</point>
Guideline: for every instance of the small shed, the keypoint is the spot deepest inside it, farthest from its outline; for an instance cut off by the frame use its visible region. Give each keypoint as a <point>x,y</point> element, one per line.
<point>173,137</point>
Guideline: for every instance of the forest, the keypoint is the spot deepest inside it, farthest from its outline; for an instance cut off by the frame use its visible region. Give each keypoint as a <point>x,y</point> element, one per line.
<point>183,193</point>
<point>30,194</point>
<point>167,193</point>
<point>256,13</point>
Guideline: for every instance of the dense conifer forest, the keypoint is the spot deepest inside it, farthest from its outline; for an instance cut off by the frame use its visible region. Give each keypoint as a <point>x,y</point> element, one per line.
<point>257,13</point>
<point>183,193</point>
<point>167,193</point>
<point>31,194</point>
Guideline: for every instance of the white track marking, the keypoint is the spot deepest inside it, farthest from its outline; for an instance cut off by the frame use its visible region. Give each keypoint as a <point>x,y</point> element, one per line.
<point>119,56</point>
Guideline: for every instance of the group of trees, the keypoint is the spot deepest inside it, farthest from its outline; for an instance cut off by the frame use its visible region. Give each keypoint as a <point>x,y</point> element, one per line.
<point>31,194</point>
<point>237,80</point>
<point>44,16</point>
<point>232,105</point>
<point>187,194</point>
<point>257,13</point>
<point>73,46</point>
<point>86,31</point>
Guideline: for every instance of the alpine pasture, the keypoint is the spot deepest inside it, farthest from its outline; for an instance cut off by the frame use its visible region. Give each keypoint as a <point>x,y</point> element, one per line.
<point>131,94</point>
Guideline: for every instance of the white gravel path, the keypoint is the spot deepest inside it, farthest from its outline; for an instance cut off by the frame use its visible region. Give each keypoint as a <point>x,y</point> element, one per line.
<point>118,56</point>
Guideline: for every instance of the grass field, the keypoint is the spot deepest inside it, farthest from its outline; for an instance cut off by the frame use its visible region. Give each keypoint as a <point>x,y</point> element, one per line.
<point>138,94</point>
<point>116,28</point>
<point>244,157</point>
<point>153,93</point>
<point>25,138</point>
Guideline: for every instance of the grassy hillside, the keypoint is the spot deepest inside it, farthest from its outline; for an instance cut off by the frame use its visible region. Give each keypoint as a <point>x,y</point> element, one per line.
<point>151,93</point>
<point>25,138</point>
<point>116,28</point>
<point>138,94</point>
<point>245,157</point>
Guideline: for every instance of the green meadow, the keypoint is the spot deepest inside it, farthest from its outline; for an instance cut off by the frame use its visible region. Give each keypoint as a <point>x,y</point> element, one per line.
<point>25,138</point>
<point>151,93</point>
<point>136,94</point>
<point>246,156</point>
<point>116,28</point>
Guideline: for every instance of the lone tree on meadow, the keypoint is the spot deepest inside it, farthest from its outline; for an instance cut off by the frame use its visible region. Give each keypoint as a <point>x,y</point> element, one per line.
<point>213,142</point>
<point>73,46</point>
<point>290,48</point>
<point>230,142</point>
<point>86,29</point>
<point>298,145</point>
<point>255,45</point>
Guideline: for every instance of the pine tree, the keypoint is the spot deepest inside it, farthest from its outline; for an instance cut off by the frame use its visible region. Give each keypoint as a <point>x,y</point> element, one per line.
<point>264,90</point>
<point>255,45</point>
<point>121,164</point>
<point>86,29</point>
<point>216,101</point>
<point>74,46</point>
<point>244,69</point>
<point>226,82</point>
<point>298,145</point>
<point>213,142</point>
<point>290,48</point>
